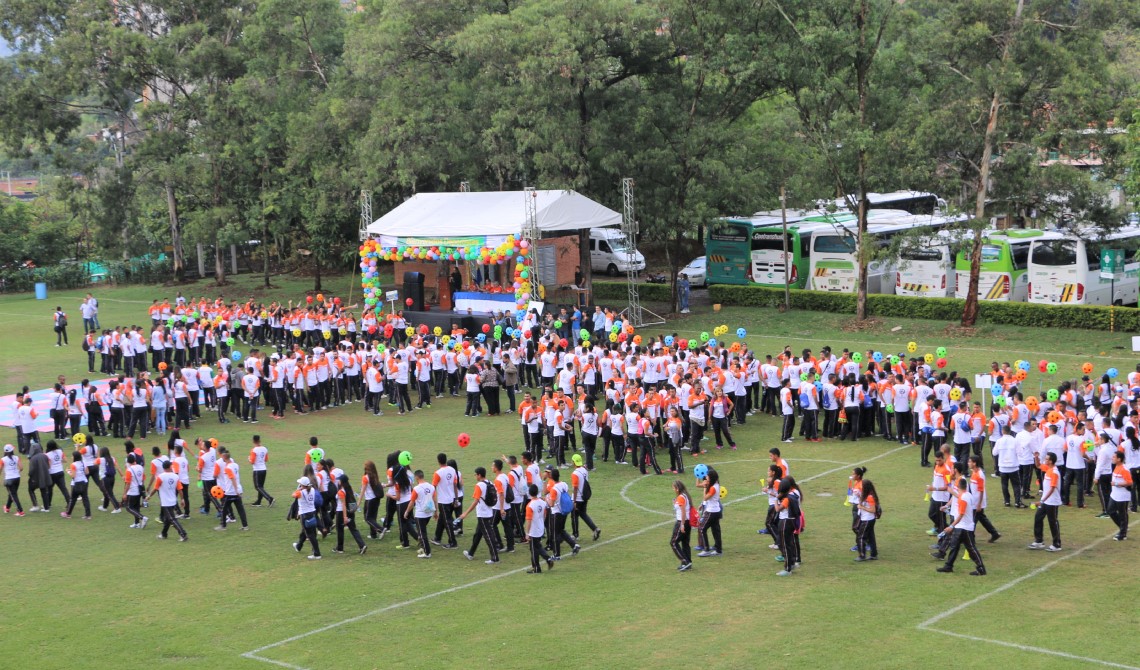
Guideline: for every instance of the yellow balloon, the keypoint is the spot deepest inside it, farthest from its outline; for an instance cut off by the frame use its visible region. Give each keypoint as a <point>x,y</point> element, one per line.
<point>296,332</point>
<point>410,331</point>
<point>723,491</point>
<point>912,347</point>
<point>929,358</point>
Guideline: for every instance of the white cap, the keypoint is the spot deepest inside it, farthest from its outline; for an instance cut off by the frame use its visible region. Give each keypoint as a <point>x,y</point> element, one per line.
<point>304,481</point>
<point>8,449</point>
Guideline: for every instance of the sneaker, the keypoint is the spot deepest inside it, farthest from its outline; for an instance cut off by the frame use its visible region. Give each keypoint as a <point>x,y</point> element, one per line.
<point>549,563</point>
<point>296,547</point>
<point>337,551</point>
<point>35,509</point>
<point>704,554</point>
<point>363,549</point>
<point>1035,545</point>
<point>783,573</point>
<point>597,534</point>
<point>467,555</point>
<point>714,553</point>
<point>313,558</point>
<point>978,573</point>
<point>435,542</point>
<point>685,567</point>
<point>1102,516</point>
<point>762,531</point>
<point>776,547</point>
<point>780,558</point>
<point>219,527</point>
<point>143,524</point>
<point>65,515</point>
<point>117,510</point>
<point>133,525</point>
<point>995,537</point>
<point>944,568</point>
<point>490,561</point>
<point>1117,538</point>
<point>861,559</point>
<point>1052,548</point>
<point>938,554</point>
<point>184,538</point>
<point>855,548</point>
<point>101,509</point>
<point>532,571</point>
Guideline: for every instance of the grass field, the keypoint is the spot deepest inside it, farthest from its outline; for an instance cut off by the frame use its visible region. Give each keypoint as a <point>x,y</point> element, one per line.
<point>96,594</point>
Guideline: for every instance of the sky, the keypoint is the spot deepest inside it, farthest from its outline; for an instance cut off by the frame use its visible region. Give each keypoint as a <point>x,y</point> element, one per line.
<point>5,50</point>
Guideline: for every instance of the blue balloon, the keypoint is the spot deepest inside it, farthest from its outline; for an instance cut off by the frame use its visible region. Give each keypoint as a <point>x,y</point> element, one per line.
<point>701,471</point>
<point>668,340</point>
<point>819,386</point>
<point>712,342</point>
<point>1112,372</point>
<point>1024,365</point>
<point>877,356</point>
<point>996,389</point>
<point>741,333</point>
<point>481,337</point>
<point>236,355</point>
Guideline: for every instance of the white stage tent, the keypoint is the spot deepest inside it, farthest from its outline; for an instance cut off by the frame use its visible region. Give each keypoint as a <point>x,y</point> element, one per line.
<point>490,214</point>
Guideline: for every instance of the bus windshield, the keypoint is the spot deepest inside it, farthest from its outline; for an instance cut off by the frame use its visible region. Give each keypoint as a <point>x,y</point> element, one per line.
<point>834,244</point>
<point>1054,253</point>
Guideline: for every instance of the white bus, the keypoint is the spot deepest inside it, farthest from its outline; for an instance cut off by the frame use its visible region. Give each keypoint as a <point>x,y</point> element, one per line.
<point>926,266</point>
<point>1066,271</point>
<point>913,202</point>
<point>833,263</point>
<point>1003,275</point>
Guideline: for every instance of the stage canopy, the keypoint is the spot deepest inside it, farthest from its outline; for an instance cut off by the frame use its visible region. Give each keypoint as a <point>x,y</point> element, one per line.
<point>487,217</point>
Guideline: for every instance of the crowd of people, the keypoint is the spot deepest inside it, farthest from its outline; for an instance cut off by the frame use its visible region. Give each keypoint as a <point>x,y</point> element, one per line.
<point>577,384</point>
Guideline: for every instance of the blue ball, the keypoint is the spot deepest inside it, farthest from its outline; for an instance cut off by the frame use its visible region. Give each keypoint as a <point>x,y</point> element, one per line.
<point>1112,372</point>
<point>481,337</point>
<point>819,386</point>
<point>877,356</point>
<point>701,471</point>
<point>668,340</point>
<point>236,355</point>
<point>712,342</point>
<point>741,333</point>
<point>996,389</point>
<point>1024,365</point>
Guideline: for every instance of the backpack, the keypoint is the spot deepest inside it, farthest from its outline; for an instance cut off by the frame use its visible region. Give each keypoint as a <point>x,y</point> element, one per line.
<point>694,517</point>
<point>565,503</point>
<point>825,401</point>
<point>83,345</point>
<point>318,499</point>
<point>587,492</point>
<point>99,342</point>
<point>805,399</point>
<point>509,493</point>
<point>490,497</point>
<point>62,320</point>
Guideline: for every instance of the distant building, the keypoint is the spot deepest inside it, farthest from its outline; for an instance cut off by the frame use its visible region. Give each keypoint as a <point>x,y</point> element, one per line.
<point>20,188</point>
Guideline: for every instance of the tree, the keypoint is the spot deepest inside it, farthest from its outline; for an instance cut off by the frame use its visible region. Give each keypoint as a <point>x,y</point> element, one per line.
<point>1003,81</point>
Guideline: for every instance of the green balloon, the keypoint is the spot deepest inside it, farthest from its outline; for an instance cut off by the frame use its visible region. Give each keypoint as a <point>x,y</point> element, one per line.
<point>704,336</point>
<point>693,343</point>
<point>894,361</point>
<point>890,408</point>
<point>558,323</point>
<point>584,334</point>
<point>230,341</point>
<point>1051,395</point>
<point>940,352</point>
<point>405,458</point>
<point>857,357</point>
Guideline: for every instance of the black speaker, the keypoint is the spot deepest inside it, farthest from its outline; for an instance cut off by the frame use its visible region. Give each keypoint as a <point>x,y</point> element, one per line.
<point>414,289</point>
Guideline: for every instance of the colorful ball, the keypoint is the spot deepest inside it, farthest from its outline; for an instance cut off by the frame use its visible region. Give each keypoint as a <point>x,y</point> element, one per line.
<point>1112,373</point>
<point>877,357</point>
<point>704,337</point>
<point>409,302</point>
<point>955,393</point>
<point>230,341</point>
<point>912,347</point>
<point>464,439</point>
<point>929,358</point>
<point>79,439</point>
<point>723,492</point>
<point>941,362</point>
<point>1051,368</point>
<point>218,492</point>
<point>235,356</point>
<point>162,365</point>
<point>857,357</point>
<point>405,458</point>
<point>741,333</point>
<point>1052,395</point>
<point>940,352</point>
<point>1087,368</point>
<point>316,454</point>
<point>701,471</point>
<point>297,332</point>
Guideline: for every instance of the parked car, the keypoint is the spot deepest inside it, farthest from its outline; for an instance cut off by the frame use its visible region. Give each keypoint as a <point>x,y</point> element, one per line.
<point>696,271</point>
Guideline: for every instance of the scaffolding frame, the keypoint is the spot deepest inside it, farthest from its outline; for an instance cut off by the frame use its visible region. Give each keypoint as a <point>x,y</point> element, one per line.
<point>635,314</point>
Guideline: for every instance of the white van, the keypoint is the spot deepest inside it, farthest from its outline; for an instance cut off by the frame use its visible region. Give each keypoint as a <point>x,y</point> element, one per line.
<point>608,253</point>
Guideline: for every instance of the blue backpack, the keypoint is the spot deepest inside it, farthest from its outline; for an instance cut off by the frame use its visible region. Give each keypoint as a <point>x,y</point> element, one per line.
<point>805,399</point>
<point>318,499</point>
<point>565,503</point>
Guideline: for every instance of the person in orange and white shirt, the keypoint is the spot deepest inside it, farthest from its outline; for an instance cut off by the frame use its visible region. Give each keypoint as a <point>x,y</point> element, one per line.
<point>534,526</point>
<point>963,531</point>
<point>484,513</point>
<point>259,462</point>
<point>423,508</point>
<point>78,472</point>
<point>1120,497</point>
<point>1049,505</point>
<point>939,491</point>
<point>132,496</point>
<point>168,485</point>
<point>229,478</point>
<point>346,507</point>
<point>682,526</point>
<point>251,388</point>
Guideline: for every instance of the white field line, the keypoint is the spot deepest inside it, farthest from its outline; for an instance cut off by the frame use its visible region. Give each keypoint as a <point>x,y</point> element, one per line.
<point>929,623</point>
<point>255,654</point>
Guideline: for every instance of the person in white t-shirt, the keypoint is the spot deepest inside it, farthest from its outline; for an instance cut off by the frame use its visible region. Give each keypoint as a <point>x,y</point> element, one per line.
<point>259,464</point>
<point>168,485</point>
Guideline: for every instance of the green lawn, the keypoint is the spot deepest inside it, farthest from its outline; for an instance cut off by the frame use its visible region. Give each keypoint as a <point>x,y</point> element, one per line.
<point>96,594</point>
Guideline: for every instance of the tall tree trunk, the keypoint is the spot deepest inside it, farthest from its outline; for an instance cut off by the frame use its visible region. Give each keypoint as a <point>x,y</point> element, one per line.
<point>586,262</point>
<point>175,232</point>
<point>316,272</point>
<point>862,65</point>
<point>265,249</point>
<point>219,263</point>
<point>970,309</point>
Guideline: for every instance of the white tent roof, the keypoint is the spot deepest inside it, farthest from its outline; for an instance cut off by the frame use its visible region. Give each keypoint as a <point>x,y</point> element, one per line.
<point>491,213</point>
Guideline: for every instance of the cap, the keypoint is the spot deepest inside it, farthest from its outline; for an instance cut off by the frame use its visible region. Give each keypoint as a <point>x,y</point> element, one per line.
<point>550,468</point>
<point>8,449</point>
<point>304,481</point>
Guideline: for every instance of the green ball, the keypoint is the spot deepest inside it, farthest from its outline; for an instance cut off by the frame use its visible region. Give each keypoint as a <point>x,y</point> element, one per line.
<point>940,352</point>
<point>894,360</point>
<point>704,336</point>
<point>803,376</point>
<point>1052,395</point>
<point>890,408</point>
<point>405,458</point>
<point>558,323</point>
<point>230,341</point>
<point>316,454</point>
<point>692,344</point>
<point>857,357</point>
<point>584,334</point>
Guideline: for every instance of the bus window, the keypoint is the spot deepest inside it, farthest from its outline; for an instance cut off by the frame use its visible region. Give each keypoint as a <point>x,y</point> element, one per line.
<point>934,254</point>
<point>1092,253</point>
<point>1054,253</point>
<point>834,244</point>
<point>1020,254</point>
<point>991,253</point>
<point>771,242</point>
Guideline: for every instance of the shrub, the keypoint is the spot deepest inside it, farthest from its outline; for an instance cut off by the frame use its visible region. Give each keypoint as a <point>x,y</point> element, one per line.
<point>616,291</point>
<point>936,309</point>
